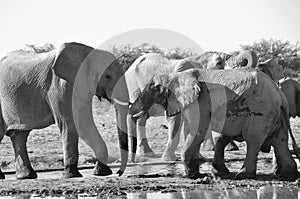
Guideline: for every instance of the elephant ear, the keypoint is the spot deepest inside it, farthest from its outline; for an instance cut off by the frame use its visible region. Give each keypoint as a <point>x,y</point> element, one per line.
<point>70,57</point>
<point>272,69</point>
<point>183,89</point>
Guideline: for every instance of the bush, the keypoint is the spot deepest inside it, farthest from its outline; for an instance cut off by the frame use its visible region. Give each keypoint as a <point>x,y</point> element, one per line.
<point>126,54</point>
<point>286,52</point>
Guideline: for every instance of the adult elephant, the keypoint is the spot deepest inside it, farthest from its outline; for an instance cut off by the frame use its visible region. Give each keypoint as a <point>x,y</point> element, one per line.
<point>242,104</point>
<point>289,87</point>
<point>148,65</point>
<point>38,89</point>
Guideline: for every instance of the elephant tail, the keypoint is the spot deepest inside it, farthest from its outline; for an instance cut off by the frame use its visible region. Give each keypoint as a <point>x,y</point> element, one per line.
<point>286,121</point>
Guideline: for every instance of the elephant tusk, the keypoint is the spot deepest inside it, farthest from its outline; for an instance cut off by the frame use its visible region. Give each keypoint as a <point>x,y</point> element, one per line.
<point>120,102</point>
<point>139,114</point>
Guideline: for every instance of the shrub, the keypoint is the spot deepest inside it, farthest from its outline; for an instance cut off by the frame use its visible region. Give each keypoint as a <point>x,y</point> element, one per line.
<point>287,53</point>
<point>127,54</point>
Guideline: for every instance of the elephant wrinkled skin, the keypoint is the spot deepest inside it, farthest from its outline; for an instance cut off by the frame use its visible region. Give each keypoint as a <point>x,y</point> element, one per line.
<point>38,89</point>
<point>243,104</point>
<point>148,65</point>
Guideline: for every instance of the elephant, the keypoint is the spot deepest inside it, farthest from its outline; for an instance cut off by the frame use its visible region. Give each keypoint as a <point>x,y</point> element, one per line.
<point>289,87</point>
<point>40,89</point>
<point>243,104</point>
<point>272,69</point>
<point>148,65</point>
<point>138,75</point>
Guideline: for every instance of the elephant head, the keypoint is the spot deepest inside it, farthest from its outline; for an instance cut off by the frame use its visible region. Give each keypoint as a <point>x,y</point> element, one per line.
<point>246,58</point>
<point>94,72</point>
<point>272,69</point>
<point>174,92</point>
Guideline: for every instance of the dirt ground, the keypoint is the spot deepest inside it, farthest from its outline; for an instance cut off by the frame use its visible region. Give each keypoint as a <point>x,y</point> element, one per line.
<point>45,151</point>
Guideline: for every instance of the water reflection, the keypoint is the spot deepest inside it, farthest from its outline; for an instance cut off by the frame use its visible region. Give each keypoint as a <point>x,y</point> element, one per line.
<point>272,192</point>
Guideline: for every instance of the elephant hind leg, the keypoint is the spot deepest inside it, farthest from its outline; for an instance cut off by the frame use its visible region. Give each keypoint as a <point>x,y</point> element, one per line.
<point>286,165</point>
<point>22,162</point>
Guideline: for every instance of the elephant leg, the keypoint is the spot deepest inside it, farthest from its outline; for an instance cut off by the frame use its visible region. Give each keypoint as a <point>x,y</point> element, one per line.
<point>174,125</point>
<point>286,165</point>
<point>254,137</point>
<point>218,160</point>
<point>132,123</point>
<point>23,167</point>
<point>197,118</point>
<point>248,170</point>
<point>143,148</point>
<point>70,149</point>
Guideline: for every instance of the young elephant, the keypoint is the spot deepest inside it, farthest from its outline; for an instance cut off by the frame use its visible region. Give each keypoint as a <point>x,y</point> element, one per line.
<point>148,65</point>
<point>243,104</point>
<point>39,89</point>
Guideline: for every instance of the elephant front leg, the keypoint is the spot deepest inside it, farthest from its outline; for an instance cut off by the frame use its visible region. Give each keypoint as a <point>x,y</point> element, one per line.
<point>218,160</point>
<point>175,123</point>
<point>70,148</point>
<point>143,148</point>
<point>197,118</point>
<point>22,164</point>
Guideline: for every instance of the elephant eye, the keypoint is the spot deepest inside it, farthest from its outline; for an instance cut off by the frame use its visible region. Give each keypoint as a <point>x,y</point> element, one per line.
<point>107,76</point>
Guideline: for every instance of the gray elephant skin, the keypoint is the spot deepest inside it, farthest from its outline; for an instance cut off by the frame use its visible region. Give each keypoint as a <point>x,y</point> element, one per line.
<point>148,65</point>
<point>243,104</point>
<point>39,89</point>
<point>289,87</point>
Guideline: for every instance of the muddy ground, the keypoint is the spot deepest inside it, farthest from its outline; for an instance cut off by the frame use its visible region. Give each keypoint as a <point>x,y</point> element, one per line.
<point>149,174</point>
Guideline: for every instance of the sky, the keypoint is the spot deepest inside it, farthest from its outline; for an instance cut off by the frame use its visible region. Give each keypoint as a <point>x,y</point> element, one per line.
<point>220,25</point>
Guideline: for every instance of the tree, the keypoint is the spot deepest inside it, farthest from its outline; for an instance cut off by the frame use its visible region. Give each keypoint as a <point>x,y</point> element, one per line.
<point>286,52</point>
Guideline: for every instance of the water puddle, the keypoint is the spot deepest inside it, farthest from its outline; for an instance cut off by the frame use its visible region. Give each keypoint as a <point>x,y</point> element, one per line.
<point>272,192</point>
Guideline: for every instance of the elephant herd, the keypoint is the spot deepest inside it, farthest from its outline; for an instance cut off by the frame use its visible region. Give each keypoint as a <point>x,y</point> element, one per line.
<point>232,95</point>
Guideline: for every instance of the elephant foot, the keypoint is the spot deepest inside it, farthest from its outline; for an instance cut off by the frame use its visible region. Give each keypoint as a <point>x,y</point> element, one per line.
<point>191,168</point>
<point>144,149</point>
<point>231,146</point>
<point>245,175</point>
<point>148,154</point>
<point>169,157</point>
<point>26,172</point>
<point>291,176</point>
<point>195,176</point>
<point>220,168</point>
<point>102,169</point>
<point>132,158</point>
<point>71,171</point>
<point>2,176</point>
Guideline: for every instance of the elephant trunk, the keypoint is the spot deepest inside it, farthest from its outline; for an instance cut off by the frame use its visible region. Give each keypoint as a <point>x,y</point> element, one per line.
<point>121,115</point>
<point>120,100</point>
